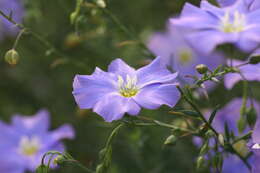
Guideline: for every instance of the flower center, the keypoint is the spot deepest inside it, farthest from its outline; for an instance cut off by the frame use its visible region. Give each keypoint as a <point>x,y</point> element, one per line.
<point>128,87</point>
<point>233,23</point>
<point>29,146</point>
<point>185,56</point>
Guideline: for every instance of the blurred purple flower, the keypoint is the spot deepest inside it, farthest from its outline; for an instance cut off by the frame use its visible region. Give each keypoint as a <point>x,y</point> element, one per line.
<point>14,7</point>
<point>234,164</point>
<point>225,3</point>
<point>250,72</point>
<point>251,4</point>
<point>230,114</point>
<point>211,26</point>
<point>254,4</point>
<point>26,139</point>
<point>177,53</point>
<point>125,90</point>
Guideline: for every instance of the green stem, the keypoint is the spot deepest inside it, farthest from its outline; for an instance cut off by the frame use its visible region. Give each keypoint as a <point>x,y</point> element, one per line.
<point>80,165</point>
<point>40,38</point>
<point>162,124</point>
<point>18,38</point>
<point>194,106</point>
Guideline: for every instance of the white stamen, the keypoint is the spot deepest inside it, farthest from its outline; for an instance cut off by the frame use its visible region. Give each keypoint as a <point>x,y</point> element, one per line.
<point>233,23</point>
<point>129,87</point>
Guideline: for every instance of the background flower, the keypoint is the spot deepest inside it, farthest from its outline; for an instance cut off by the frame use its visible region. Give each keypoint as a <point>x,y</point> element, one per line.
<point>26,139</point>
<point>178,54</point>
<point>214,26</point>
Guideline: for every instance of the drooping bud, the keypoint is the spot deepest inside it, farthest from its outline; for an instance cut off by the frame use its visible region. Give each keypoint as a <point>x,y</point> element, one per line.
<point>59,160</point>
<point>12,57</point>
<point>202,68</point>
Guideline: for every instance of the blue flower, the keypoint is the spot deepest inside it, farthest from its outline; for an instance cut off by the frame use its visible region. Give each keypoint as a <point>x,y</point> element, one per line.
<point>233,163</point>
<point>177,53</point>
<point>211,26</point>
<point>26,139</point>
<point>254,4</point>
<point>125,90</point>
<point>14,7</point>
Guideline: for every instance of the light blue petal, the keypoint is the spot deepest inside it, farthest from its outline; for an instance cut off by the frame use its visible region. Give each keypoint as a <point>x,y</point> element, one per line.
<point>155,72</point>
<point>119,67</point>
<point>153,96</point>
<point>113,106</point>
<point>88,90</point>
<point>39,123</point>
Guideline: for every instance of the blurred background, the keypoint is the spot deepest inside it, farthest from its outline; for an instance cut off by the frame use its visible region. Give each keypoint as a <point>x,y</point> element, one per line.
<point>43,79</point>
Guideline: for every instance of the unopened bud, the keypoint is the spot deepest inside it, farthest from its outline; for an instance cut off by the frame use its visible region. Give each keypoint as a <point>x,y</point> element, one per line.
<point>101,3</point>
<point>73,17</point>
<point>215,80</point>
<point>254,59</point>
<point>171,140</point>
<point>202,68</point>
<point>200,162</point>
<point>59,160</point>
<point>221,139</point>
<point>12,57</point>
<point>72,40</point>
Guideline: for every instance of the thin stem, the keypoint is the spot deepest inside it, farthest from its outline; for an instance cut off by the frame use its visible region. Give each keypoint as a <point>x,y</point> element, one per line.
<point>38,37</point>
<point>18,38</point>
<point>162,124</point>
<point>197,110</point>
<point>209,77</point>
<point>81,166</point>
<point>246,136</point>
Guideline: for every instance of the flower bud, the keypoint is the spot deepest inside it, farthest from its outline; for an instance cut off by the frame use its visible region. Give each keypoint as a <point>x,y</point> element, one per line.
<point>202,68</point>
<point>200,162</point>
<point>59,160</point>
<point>101,3</point>
<point>72,40</point>
<point>205,148</point>
<point>251,116</point>
<point>171,140</point>
<point>255,59</point>
<point>73,17</point>
<point>221,139</point>
<point>12,57</point>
